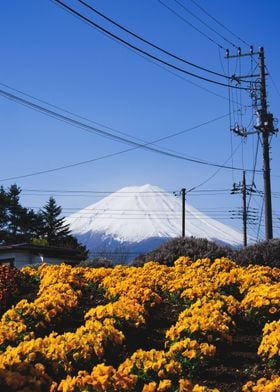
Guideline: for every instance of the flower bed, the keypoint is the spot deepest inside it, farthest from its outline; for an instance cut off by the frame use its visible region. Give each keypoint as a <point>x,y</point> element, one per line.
<point>154,328</point>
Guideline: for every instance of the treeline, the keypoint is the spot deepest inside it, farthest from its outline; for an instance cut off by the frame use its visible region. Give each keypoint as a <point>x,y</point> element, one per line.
<point>19,224</point>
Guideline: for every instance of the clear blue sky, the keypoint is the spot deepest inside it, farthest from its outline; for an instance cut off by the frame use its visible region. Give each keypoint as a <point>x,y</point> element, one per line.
<point>51,55</point>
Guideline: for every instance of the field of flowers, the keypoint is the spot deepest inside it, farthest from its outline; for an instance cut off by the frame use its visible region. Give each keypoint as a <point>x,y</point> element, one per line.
<point>150,328</point>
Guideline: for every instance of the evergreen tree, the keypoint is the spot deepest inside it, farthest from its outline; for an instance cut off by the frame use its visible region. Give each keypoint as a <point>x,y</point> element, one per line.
<point>14,210</point>
<point>31,225</point>
<point>71,242</point>
<point>4,202</point>
<point>19,224</point>
<point>55,228</point>
<point>17,219</point>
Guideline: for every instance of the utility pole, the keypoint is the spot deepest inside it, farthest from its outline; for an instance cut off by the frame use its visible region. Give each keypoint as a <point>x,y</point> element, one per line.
<point>244,210</point>
<point>245,190</point>
<point>264,127</point>
<point>183,193</point>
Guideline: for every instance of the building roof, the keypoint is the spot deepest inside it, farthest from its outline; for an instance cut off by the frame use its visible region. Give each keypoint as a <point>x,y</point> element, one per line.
<point>51,251</point>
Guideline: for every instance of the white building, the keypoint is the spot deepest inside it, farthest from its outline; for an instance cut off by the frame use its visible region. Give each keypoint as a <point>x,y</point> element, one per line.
<point>19,255</point>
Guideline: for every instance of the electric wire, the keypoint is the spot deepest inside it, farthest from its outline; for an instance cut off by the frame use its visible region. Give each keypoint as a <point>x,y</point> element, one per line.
<point>219,23</point>
<point>260,220</point>
<point>186,80</point>
<point>149,42</point>
<point>113,129</point>
<point>205,24</point>
<point>190,24</point>
<point>122,196</point>
<point>94,130</point>
<point>216,171</point>
<point>72,113</point>
<point>107,32</point>
<point>100,132</point>
<point>108,192</point>
<point>254,168</point>
<point>174,73</point>
<point>273,82</point>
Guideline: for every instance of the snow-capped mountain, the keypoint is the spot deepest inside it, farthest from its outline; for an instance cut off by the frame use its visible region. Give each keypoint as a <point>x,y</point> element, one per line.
<point>141,218</point>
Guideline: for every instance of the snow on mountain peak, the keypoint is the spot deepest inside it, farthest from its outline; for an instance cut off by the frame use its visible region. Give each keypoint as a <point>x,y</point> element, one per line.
<point>137,213</point>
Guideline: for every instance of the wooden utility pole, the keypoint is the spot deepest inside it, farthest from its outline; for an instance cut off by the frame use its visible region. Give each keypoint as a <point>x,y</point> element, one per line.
<point>183,193</point>
<point>244,192</point>
<point>244,189</point>
<point>265,128</point>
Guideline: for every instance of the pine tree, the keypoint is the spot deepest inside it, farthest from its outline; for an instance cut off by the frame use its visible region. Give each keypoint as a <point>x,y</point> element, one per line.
<point>55,228</point>
<point>70,242</point>
<point>14,210</point>
<point>36,225</point>
<point>4,202</point>
<point>17,219</point>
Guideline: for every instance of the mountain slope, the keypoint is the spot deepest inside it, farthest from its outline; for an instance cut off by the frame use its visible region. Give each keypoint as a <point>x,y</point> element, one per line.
<point>140,215</point>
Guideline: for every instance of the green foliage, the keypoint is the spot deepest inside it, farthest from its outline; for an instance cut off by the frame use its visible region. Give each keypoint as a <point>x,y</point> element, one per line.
<point>40,241</point>
<point>55,228</point>
<point>14,219</point>
<point>46,227</point>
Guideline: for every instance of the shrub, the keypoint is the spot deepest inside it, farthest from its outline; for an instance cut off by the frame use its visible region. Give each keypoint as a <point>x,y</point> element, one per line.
<point>262,253</point>
<point>194,248</point>
<point>97,262</point>
<point>13,285</point>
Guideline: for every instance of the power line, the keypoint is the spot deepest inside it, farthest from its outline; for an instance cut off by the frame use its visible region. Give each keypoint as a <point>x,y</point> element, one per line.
<point>205,24</point>
<point>96,192</point>
<point>219,23</point>
<point>119,192</point>
<point>190,24</point>
<point>113,129</point>
<point>150,43</point>
<point>273,82</point>
<point>160,218</point>
<point>145,212</point>
<point>216,171</point>
<point>254,168</point>
<point>91,129</point>
<point>107,32</point>
<point>75,114</point>
<point>94,130</point>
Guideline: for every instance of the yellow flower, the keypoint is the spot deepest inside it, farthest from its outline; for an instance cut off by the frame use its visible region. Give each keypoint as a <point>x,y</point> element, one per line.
<point>185,385</point>
<point>151,387</point>
<point>164,385</point>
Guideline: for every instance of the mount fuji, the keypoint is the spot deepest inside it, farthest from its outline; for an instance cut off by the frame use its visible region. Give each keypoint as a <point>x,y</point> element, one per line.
<point>137,219</point>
